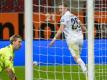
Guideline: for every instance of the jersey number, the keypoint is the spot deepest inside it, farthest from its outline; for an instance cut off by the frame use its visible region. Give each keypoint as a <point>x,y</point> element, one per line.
<point>75,23</point>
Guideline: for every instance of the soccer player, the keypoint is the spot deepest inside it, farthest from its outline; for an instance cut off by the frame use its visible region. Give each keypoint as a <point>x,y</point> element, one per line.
<point>72,28</point>
<point>7,55</point>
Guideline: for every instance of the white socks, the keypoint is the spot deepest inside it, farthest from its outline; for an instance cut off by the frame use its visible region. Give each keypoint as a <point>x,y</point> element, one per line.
<point>82,65</point>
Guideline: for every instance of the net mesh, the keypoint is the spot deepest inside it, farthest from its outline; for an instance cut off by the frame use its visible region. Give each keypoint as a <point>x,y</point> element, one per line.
<point>101,39</point>
<point>56,63</point>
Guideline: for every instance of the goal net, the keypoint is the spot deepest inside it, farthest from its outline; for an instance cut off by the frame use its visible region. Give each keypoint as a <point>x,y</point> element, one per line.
<point>56,62</point>
<point>100,47</point>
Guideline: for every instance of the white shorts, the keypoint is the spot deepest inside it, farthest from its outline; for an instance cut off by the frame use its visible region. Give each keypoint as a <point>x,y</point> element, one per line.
<point>75,46</point>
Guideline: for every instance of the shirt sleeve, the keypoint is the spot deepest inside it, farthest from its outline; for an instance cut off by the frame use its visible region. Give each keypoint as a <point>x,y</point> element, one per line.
<point>64,20</point>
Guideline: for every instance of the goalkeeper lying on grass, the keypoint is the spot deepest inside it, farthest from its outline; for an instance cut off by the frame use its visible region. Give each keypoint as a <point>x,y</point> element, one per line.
<point>7,55</point>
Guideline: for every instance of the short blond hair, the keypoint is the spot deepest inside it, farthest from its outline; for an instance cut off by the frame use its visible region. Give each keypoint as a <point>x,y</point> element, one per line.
<point>14,38</point>
<point>65,4</point>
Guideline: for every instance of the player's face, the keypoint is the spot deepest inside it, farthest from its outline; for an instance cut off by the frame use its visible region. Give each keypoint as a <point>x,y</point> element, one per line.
<point>17,43</point>
<point>61,9</point>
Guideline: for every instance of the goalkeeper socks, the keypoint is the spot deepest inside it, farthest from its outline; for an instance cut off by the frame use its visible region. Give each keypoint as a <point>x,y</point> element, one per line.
<point>82,65</point>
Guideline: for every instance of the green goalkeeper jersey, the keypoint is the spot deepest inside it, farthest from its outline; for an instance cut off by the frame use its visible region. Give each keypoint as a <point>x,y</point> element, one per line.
<point>6,57</point>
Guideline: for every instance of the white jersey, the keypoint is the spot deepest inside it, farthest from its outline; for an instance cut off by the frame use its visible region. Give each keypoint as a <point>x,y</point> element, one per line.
<point>72,29</point>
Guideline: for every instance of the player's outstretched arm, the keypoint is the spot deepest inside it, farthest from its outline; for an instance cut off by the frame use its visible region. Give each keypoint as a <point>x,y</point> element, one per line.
<point>57,35</point>
<point>52,42</point>
<point>11,74</point>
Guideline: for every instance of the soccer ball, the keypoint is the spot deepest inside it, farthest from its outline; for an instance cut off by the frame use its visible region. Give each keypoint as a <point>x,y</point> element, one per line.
<point>35,63</point>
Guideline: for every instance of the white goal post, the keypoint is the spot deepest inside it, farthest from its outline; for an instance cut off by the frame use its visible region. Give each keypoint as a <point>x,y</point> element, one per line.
<point>54,62</point>
<point>28,40</point>
<point>90,26</point>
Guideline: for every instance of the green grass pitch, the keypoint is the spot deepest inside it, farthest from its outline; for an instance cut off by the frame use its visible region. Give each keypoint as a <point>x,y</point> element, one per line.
<point>58,73</point>
<point>72,72</point>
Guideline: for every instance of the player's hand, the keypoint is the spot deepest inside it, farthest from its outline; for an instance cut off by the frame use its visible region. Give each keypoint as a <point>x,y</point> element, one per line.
<point>51,43</point>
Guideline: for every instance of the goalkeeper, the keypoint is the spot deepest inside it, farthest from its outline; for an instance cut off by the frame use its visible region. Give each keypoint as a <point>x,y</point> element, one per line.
<point>72,28</point>
<point>7,55</point>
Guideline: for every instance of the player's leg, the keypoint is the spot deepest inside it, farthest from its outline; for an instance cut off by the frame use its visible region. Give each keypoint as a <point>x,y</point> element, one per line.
<point>74,49</point>
<point>82,65</point>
